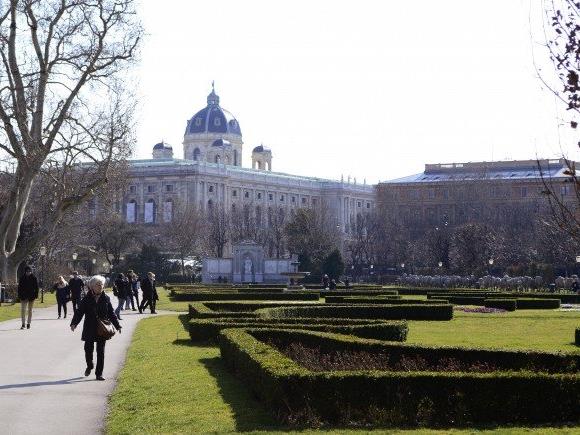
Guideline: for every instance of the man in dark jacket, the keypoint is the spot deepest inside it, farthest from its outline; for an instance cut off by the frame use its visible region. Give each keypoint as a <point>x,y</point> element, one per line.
<point>27,293</point>
<point>121,289</point>
<point>76,286</point>
<point>149,293</point>
<point>95,305</point>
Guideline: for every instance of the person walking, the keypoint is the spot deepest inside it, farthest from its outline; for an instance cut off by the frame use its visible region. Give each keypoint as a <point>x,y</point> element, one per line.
<point>135,284</point>
<point>76,286</point>
<point>129,299</point>
<point>27,293</point>
<point>149,293</point>
<point>62,294</point>
<point>96,305</point>
<point>120,289</point>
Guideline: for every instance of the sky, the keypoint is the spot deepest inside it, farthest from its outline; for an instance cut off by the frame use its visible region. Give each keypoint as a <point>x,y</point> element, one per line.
<point>370,89</point>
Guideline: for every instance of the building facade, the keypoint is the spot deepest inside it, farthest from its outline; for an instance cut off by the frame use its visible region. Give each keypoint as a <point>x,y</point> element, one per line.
<point>211,174</point>
<point>497,193</point>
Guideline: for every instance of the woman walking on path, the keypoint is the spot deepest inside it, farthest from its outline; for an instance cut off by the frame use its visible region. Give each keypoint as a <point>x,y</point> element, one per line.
<point>120,289</point>
<point>62,294</point>
<point>95,305</point>
<point>149,292</point>
<point>131,278</point>
<point>27,293</point>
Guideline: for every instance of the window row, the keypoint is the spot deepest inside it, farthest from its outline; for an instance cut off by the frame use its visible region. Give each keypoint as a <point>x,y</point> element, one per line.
<point>150,212</point>
<point>152,188</point>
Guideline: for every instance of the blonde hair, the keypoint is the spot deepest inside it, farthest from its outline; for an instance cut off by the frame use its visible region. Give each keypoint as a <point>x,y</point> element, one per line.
<point>95,279</point>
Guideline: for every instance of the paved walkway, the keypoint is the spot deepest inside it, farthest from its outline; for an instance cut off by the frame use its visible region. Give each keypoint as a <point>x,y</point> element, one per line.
<point>43,389</point>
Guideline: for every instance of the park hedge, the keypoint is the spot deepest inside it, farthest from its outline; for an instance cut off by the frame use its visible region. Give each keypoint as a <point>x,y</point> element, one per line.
<point>387,312</point>
<point>388,300</point>
<point>203,330</point>
<point>251,296</point>
<point>548,391</point>
<point>537,304</point>
<point>577,336</point>
<point>504,304</point>
<point>206,310</point>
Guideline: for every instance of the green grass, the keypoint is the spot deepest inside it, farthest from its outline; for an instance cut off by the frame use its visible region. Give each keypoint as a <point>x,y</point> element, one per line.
<point>12,311</point>
<point>547,330</point>
<point>164,303</point>
<point>169,385</point>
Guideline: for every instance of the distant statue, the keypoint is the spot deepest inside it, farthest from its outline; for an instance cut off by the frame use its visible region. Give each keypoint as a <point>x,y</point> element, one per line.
<point>248,266</point>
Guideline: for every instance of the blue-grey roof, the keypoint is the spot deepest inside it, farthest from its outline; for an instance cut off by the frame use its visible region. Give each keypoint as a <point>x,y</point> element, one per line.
<point>456,172</point>
<point>221,143</point>
<point>213,119</point>
<point>162,145</point>
<point>261,149</point>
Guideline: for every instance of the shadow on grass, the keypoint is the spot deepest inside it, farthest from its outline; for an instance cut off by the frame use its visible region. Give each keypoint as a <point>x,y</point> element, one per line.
<point>249,414</point>
<point>184,319</point>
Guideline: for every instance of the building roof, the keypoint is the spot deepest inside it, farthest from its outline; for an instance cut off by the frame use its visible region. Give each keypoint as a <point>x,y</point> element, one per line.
<point>221,143</point>
<point>162,146</point>
<point>213,119</point>
<point>261,149</point>
<point>472,171</point>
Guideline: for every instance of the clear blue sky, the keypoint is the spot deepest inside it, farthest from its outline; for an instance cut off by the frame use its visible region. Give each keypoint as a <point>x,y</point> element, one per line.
<point>373,89</point>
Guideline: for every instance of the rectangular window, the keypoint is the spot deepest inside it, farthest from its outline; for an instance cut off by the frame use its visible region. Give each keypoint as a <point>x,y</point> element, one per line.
<point>210,189</point>
<point>368,205</point>
<point>281,198</point>
<point>259,195</point>
<point>431,193</point>
<point>270,196</point>
<point>169,187</point>
<point>168,211</point>
<point>132,189</point>
<point>131,212</point>
<point>303,200</point>
<point>247,194</point>
<point>445,193</point>
<point>150,189</point>
<point>564,190</point>
<point>234,193</point>
<point>523,191</point>
<point>149,208</point>
<point>293,199</point>
<point>358,204</point>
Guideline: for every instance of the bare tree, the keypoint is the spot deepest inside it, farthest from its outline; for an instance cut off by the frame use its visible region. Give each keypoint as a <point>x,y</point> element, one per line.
<point>184,234</point>
<point>217,228</point>
<point>63,104</point>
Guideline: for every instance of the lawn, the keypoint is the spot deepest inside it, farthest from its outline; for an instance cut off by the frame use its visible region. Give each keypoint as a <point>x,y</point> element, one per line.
<point>12,311</point>
<point>169,385</point>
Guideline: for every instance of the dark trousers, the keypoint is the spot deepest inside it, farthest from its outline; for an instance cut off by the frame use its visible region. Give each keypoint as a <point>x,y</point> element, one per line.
<point>148,302</point>
<point>89,347</point>
<point>136,296</point>
<point>75,304</point>
<point>61,304</point>
<point>129,300</point>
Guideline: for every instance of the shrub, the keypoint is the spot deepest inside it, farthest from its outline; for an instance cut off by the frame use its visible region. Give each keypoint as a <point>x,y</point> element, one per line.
<point>544,389</point>
<point>504,304</point>
<point>537,304</point>
<point>209,329</point>
<point>388,312</point>
<point>204,310</point>
<point>387,300</point>
<point>252,296</point>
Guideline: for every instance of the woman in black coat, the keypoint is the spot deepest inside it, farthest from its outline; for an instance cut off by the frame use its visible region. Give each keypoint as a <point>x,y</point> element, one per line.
<point>95,303</point>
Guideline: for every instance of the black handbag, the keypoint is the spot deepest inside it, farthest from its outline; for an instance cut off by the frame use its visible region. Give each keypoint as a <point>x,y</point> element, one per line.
<point>105,329</point>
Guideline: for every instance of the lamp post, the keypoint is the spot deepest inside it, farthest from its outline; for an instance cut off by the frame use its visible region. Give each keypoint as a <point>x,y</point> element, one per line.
<point>440,264</point>
<point>74,257</point>
<point>490,263</point>
<point>42,255</point>
<point>94,261</point>
<point>402,268</point>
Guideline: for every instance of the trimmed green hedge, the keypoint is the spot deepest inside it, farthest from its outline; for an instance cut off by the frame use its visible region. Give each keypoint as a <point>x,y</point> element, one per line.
<point>387,300</point>
<point>324,293</point>
<point>206,310</point>
<point>537,304</point>
<point>388,312</point>
<point>252,296</point>
<point>299,396</point>
<point>577,337</point>
<point>504,304</point>
<point>201,330</point>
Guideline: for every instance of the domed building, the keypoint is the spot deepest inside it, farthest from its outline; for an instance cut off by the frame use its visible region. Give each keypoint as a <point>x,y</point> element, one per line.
<point>213,135</point>
<point>211,174</point>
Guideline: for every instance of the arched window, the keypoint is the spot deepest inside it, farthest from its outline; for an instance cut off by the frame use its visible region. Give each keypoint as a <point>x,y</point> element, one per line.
<point>168,211</point>
<point>196,153</point>
<point>131,211</point>
<point>150,212</point>
<point>218,158</point>
<point>227,160</point>
<point>210,204</point>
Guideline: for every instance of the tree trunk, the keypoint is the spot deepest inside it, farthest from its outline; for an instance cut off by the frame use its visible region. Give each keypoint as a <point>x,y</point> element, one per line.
<point>9,271</point>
